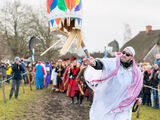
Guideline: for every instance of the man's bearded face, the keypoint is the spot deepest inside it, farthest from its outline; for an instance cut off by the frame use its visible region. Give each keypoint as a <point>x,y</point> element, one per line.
<point>126,56</point>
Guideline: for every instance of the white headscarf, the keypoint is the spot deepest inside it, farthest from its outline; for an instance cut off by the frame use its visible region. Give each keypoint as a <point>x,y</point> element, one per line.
<point>131,49</point>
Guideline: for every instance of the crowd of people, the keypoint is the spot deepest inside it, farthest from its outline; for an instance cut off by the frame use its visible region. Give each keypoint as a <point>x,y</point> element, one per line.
<point>62,74</point>
<point>151,81</point>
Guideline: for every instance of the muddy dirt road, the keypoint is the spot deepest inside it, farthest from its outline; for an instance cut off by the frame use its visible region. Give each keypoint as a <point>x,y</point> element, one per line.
<point>56,106</point>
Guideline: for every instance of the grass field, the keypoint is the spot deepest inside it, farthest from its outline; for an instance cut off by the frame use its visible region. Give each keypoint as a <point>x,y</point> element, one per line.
<point>147,113</point>
<point>17,109</point>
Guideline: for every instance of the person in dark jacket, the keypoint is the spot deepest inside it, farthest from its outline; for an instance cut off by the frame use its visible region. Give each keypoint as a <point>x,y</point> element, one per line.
<point>146,91</point>
<point>59,70</point>
<point>17,70</point>
<point>154,82</point>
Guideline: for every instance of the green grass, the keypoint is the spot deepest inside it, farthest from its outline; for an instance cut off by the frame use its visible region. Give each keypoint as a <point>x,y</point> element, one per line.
<point>15,109</point>
<point>147,113</point>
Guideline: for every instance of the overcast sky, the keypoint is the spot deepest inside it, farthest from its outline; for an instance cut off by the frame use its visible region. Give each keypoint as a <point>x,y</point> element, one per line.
<point>103,20</point>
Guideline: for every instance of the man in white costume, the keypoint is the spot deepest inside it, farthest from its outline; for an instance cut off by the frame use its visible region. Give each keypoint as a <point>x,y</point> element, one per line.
<point>116,83</point>
<point>54,79</point>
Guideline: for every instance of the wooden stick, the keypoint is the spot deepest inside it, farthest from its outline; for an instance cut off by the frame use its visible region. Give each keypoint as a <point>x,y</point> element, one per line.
<point>80,73</point>
<point>66,82</point>
<point>69,42</point>
<point>3,89</point>
<point>149,87</point>
<point>79,35</point>
<point>51,47</point>
<point>61,32</point>
<point>68,21</point>
<point>67,75</point>
<point>80,89</point>
<point>29,80</point>
<point>68,90</point>
<point>44,82</point>
<point>23,86</point>
<point>78,79</point>
<point>138,111</point>
<point>62,21</point>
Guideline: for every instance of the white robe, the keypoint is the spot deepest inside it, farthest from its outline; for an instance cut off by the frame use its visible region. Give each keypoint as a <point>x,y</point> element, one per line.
<point>125,115</point>
<point>108,94</point>
<point>54,77</point>
<point>44,70</point>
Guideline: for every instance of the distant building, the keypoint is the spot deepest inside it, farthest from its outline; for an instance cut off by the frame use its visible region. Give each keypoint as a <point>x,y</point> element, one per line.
<point>146,44</point>
<point>113,47</point>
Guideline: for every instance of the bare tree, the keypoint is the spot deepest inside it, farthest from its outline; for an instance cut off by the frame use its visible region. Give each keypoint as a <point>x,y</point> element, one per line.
<point>18,23</point>
<point>15,26</point>
<point>44,38</point>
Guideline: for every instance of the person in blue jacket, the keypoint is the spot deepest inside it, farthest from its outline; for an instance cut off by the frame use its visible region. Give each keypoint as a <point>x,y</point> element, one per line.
<point>157,60</point>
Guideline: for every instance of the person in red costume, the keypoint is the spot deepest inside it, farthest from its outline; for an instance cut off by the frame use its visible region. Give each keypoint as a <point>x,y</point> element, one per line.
<point>66,74</point>
<point>73,89</point>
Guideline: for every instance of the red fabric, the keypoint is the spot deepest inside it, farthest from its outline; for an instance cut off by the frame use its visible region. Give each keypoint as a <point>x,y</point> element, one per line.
<point>66,77</point>
<point>86,93</point>
<point>74,58</point>
<point>73,86</point>
<point>34,69</point>
<point>43,71</point>
<point>149,71</point>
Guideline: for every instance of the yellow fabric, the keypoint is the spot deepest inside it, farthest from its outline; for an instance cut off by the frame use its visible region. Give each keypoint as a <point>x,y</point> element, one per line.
<point>9,71</point>
<point>77,2</point>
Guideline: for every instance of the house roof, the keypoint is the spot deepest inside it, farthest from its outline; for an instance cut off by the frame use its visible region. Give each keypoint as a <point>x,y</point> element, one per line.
<point>143,42</point>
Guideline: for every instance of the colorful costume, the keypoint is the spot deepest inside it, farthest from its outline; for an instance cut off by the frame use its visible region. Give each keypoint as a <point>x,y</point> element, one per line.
<point>60,71</point>
<point>48,76</point>
<point>66,77</point>
<point>54,79</point>
<point>39,75</point>
<point>73,87</point>
<point>9,72</point>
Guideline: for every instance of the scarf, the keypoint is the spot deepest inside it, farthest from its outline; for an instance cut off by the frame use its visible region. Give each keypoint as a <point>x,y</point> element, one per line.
<point>132,91</point>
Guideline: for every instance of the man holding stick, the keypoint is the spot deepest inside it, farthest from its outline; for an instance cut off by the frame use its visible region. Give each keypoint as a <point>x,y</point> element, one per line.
<point>117,87</point>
